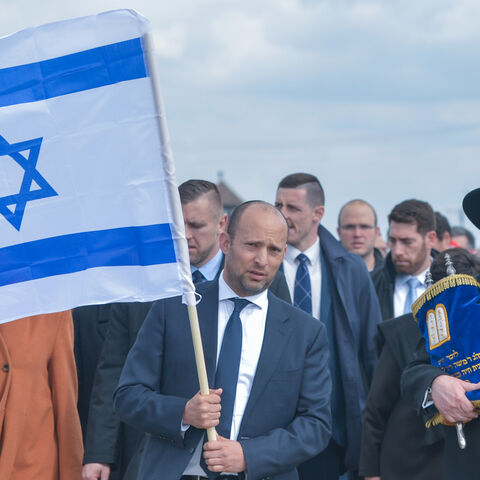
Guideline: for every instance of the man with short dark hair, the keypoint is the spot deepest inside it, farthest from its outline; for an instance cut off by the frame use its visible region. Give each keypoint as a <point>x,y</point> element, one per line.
<point>270,402</point>
<point>110,443</point>
<point>463,238</point>
<point>204,221</point>
<point>443,232</point>
<point>358,232</point>
<point>411,238</point>
<point>334,286</point>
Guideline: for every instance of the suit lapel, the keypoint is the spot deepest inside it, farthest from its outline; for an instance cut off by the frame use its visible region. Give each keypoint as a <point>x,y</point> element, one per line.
<point>208,319</point>
<point>275,337</point>
<point>333,254</point>
<point>333,261</point>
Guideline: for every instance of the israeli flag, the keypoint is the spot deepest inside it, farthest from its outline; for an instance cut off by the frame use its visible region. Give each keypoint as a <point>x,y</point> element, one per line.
<point>89,208</point>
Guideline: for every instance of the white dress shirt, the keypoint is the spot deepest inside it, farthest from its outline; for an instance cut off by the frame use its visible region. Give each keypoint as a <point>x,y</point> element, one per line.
<point>290,265</point>
<point>401,291</point>
<point>253,318</point>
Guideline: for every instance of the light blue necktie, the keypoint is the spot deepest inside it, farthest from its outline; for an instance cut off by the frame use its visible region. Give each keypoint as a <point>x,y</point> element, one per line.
<point>413,283</point>
<point>302,293</point>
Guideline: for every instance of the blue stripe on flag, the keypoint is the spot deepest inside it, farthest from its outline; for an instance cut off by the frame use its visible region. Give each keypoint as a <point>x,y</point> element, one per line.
<point>145,245</point>
<point>72,73</point>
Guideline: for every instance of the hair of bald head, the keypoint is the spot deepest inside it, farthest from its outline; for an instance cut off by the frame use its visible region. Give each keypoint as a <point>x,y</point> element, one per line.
<point>193,189</point>
<point>358,201</point>
<point>237,214</point>
<point>314,189</point>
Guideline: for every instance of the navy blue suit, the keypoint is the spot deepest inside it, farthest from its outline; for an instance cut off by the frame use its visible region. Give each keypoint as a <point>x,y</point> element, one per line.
<point>354,315</point>
<point>287,417</point>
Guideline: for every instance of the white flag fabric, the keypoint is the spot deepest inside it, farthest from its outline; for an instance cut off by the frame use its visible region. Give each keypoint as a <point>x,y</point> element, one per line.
<point>89,208</point>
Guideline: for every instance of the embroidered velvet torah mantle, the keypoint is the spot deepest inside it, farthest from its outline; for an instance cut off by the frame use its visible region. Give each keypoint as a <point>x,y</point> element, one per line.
<point>448,315</point>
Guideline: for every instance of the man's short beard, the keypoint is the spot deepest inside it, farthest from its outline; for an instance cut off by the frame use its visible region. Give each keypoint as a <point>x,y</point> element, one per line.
<point>255,291</point>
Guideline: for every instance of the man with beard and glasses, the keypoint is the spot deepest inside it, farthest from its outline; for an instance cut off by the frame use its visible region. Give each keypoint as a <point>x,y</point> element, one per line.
<point>411,238</point>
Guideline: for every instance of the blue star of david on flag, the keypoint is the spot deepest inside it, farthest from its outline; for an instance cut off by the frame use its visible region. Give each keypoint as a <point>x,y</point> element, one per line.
<point>26,194</point>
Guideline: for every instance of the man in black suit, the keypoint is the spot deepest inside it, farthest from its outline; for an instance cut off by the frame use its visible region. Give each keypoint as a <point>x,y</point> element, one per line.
<point>271,398</point>
<point>334,286</point>
<point>395,443</point>
<point>111,445</point>
<point>90,328</point>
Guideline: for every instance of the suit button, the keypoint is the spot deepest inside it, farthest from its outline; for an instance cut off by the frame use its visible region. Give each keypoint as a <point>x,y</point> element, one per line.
<point>6,367</point>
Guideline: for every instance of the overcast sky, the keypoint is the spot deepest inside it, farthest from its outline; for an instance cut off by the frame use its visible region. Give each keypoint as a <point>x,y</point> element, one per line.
<point>379,99</point>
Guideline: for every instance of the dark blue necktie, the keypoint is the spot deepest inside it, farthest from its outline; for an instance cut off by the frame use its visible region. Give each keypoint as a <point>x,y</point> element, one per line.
<point>198,277</point>
<point>302,293</point>
<point>228,366</point>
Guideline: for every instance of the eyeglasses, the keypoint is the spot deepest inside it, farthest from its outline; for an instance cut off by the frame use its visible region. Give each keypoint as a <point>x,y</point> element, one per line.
<point>362,226</point>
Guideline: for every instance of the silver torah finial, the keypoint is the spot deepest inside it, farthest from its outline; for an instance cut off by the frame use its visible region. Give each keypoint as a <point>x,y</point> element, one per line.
<point>462,442</point>
<point>449,265</point>
<point>428,279</point>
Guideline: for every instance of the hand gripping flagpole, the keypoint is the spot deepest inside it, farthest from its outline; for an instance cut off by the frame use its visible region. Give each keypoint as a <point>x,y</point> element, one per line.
<point>184,264</point>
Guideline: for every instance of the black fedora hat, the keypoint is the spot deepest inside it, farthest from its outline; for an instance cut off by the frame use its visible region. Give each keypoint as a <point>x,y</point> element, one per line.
<point>471,206</point>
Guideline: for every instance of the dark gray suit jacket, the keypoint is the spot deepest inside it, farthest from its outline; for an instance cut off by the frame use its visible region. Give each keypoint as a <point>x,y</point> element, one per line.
<point>287,417</point>
<point>108,440</point>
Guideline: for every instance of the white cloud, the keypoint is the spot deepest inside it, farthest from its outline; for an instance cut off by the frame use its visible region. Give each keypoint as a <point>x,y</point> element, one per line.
<point>378,98</point>
<point>239,43</point>
<point>170,42</point>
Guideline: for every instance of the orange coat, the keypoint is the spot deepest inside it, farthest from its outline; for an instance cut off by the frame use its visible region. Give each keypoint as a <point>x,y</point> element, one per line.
<point>40,435</point>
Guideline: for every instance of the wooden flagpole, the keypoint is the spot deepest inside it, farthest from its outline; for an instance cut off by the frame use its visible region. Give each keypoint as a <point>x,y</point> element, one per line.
<point>200,360</point>
<point>178,220</point>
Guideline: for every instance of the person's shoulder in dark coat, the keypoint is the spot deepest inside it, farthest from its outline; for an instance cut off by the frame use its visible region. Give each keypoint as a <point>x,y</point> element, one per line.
<point>90,327</point>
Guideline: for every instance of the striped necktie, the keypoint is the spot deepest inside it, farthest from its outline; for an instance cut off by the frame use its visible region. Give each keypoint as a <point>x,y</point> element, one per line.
<point>302,293</point>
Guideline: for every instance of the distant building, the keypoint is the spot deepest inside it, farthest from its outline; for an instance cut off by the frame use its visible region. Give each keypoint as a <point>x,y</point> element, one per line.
<point>229,198</point>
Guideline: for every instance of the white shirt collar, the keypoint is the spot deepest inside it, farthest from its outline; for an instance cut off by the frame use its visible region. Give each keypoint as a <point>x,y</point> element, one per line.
<point>403,279</point>
<point>226,293</point>
<point>313,253</point>
<point>210,269</point>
